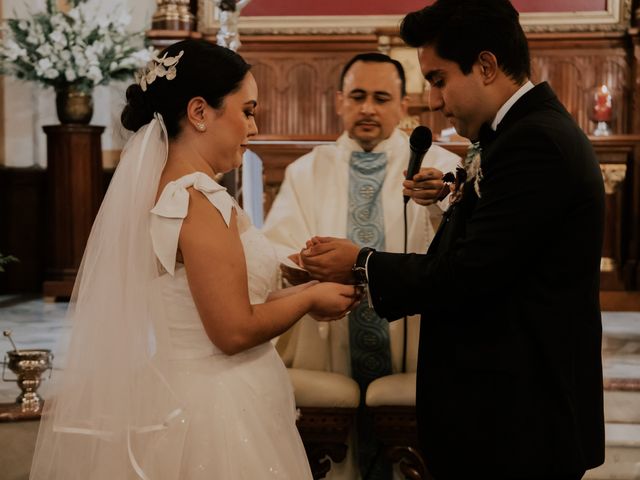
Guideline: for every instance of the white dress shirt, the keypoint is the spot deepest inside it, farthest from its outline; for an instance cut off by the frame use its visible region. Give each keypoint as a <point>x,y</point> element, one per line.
<point>509,103</point>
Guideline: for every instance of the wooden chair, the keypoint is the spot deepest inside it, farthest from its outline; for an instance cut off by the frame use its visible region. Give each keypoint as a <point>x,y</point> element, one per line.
<point>327,403</point>
<point>392,402</point>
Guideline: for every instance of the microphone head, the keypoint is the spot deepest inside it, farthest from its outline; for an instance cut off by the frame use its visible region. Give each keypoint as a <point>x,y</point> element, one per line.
<point>421,138</point>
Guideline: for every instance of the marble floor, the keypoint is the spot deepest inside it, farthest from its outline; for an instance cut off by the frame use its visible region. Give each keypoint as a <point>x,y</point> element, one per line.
<point>621,344</point>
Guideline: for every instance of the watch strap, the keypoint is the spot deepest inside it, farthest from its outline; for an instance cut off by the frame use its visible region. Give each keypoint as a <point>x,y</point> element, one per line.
<point>360,267</point>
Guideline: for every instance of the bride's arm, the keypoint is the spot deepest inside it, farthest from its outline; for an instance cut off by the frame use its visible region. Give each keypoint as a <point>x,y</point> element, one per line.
<point>285,292</point>
<point>215,266</point>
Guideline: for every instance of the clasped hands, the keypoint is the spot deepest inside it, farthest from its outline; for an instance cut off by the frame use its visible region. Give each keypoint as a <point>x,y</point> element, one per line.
<point>324,259</point>
<point>327,260</point>
<point>330,259</point>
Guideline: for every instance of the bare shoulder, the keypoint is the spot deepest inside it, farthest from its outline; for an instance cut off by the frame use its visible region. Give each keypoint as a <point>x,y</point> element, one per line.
<point>204,222</point>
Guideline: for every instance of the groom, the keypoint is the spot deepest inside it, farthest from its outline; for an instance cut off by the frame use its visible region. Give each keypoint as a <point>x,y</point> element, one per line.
<point>509,373</point>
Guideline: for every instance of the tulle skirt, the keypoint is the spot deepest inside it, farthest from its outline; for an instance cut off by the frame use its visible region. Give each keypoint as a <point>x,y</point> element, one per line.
<point>241,418</point>
<point>234,419</point>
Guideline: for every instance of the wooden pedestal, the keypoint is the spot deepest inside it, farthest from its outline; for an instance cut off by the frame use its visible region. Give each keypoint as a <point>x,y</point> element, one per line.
<point>74,193</point>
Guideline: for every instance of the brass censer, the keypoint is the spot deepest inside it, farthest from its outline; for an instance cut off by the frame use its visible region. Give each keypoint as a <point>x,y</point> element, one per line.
<point>28,366</point>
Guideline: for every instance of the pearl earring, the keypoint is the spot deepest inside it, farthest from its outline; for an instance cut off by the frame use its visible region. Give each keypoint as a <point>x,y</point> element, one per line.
<point>201,127</point>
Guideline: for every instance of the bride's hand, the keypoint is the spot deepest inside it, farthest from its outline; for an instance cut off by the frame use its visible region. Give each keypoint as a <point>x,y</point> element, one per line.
<point>332,301</point>
<point>285,292</point>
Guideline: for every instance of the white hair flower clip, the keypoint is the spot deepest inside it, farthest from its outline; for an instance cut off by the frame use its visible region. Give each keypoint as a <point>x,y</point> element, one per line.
<point>158,67</point>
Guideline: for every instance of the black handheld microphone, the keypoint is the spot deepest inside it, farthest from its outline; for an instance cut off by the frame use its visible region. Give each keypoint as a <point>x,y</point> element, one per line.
<point>419,143</point>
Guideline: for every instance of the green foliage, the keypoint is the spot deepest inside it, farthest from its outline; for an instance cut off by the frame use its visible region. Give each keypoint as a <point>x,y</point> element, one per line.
<point>4,260</point>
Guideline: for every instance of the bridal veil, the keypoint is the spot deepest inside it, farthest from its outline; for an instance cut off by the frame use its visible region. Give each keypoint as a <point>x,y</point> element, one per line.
<point>112,413</point>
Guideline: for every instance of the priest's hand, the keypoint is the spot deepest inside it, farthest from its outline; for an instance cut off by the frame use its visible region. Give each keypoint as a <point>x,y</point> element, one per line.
<point>426,187</point>
<point>330,259</point>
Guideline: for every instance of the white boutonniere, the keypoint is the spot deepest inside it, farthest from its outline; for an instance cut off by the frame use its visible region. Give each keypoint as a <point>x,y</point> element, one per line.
<point>473,167</point>
<point>469,171</point>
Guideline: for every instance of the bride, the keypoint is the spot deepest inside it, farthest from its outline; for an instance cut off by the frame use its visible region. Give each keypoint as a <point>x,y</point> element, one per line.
<point>171,373</point>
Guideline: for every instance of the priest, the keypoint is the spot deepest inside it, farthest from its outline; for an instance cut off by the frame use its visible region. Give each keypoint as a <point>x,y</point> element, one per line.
<point>353,189</point>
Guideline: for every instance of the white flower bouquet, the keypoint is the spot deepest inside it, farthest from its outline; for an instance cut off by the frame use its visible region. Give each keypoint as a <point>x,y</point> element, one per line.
<point>76,47</point>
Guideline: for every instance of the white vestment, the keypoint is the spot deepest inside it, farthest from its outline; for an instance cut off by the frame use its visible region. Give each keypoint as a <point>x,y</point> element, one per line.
<point>313,200</point>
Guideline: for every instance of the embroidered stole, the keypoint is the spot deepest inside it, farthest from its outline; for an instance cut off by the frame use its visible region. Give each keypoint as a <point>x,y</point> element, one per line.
<point>369,342</point>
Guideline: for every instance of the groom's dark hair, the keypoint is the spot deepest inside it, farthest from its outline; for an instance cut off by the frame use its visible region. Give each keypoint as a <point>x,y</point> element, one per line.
<point>460,29</point>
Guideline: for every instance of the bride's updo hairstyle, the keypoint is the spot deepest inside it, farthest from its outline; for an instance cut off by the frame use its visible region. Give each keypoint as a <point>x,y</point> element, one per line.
<point>203,70</point>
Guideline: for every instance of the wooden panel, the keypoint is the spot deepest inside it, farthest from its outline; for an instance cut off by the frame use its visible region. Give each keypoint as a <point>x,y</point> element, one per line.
<point>22,228</point>
<point>297,93</point>
<point>575,67</point>
<point>620,301</point>
<point>618,156</point>
<point>297,79</point>
<point>298,75</point>
<point>74,193</point>
<point>634,120</point>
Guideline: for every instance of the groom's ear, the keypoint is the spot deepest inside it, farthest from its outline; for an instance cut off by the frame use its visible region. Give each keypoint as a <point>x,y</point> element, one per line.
<point>487,64</point>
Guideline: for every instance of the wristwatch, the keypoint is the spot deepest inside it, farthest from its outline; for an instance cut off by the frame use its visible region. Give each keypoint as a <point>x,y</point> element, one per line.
<point>359,268</point>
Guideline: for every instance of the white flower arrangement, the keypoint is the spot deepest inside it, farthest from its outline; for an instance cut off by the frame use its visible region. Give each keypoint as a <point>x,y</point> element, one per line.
<point>76,47</point>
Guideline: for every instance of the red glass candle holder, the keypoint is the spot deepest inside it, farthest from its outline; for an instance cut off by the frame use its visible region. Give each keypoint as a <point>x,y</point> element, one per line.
<point>602,111</point>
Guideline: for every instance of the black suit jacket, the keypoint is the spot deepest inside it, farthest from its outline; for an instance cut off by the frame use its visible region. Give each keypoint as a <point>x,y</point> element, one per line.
<point>509,368</point>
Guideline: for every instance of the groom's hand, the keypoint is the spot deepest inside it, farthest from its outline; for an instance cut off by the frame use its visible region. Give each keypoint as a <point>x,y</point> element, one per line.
<point>330,259</point>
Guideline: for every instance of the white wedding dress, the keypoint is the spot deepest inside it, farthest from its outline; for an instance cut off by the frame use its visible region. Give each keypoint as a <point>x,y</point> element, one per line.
<point>240,409</point>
